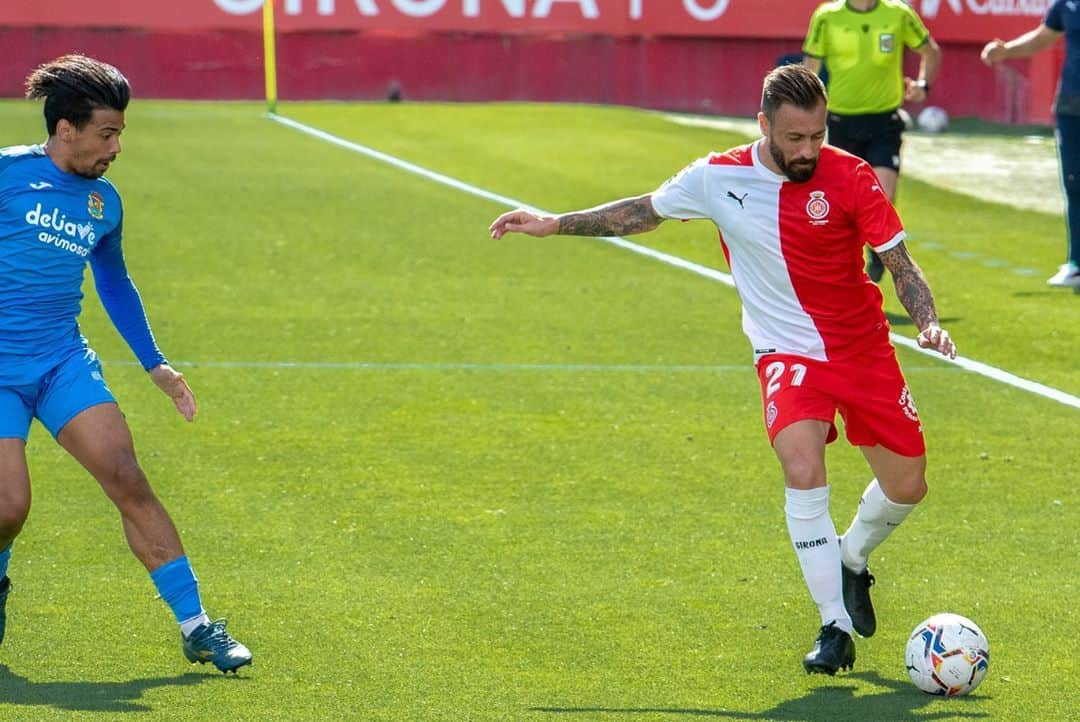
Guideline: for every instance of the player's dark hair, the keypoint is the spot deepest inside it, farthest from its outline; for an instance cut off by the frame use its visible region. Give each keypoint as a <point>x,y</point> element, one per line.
<point>73,86</point>
<point>792,84</point>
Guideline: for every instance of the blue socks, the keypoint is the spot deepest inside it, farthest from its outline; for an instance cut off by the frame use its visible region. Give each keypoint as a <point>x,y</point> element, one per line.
<point>176,583</point>
<point>5,557</point>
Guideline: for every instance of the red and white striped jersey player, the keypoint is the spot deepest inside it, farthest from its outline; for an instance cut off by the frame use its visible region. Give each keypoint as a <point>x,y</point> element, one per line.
<point>794,215</point>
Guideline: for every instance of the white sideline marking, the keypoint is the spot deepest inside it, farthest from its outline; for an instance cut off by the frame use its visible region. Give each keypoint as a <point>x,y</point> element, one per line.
<point>466,366</point>
<point>399,163</point>
<point>978,367</point>
<point>463,366</point>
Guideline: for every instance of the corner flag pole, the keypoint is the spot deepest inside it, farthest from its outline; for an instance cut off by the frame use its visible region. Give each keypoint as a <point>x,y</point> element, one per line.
<point>269,56</point>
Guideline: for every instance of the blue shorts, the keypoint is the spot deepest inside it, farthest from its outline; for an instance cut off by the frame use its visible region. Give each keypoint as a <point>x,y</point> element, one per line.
<point>73,384</point>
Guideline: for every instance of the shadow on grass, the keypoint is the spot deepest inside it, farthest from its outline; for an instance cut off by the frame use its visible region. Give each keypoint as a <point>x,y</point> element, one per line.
<point>1043,294</point>
<point>901,702</point>
<point>86,696</point>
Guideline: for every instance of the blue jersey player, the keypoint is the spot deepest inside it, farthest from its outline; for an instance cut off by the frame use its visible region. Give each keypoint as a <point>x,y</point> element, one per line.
<point>58,213</point>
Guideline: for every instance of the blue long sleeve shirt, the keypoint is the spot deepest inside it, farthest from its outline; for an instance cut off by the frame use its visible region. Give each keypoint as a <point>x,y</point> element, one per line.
<point>52,224</point>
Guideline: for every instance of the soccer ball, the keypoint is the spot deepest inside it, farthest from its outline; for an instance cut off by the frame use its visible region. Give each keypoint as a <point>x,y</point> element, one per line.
<point>933,119</point>
<point>947,655</point>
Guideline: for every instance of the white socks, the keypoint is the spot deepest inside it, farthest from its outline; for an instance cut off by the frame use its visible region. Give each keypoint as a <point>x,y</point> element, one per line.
<point>814,537</point>
<point>190,625</point>
<point>873,522</point>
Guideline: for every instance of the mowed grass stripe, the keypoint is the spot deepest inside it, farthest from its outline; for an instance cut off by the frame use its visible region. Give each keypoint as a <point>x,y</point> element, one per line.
<point>574,156</point>
<point>983,369</point>
<point>435,366</point>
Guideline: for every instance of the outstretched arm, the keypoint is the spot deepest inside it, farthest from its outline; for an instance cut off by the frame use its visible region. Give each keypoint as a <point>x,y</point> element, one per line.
<point>619,218</point>
<point>914,293</point>
<point>1021,46</point>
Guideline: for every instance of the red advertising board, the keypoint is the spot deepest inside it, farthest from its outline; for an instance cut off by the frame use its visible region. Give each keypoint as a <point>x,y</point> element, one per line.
<point>969,21</point>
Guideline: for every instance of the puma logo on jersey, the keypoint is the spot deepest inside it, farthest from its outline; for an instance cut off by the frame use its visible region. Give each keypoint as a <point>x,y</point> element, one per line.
<point>40,186</point>
<point>737,198</point>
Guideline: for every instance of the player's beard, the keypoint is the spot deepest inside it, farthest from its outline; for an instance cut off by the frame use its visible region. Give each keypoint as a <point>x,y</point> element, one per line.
<point>97,169</point>
<point>798,171</point>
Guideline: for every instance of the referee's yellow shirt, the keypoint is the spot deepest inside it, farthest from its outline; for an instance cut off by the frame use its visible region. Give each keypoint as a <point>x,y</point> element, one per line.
<point>864,53</point>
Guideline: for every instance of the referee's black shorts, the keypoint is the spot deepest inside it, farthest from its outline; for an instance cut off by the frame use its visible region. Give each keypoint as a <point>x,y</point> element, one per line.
<point>874,137</point>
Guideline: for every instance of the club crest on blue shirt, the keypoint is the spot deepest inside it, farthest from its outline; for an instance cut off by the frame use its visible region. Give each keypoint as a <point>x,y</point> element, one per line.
<point>95,205</point>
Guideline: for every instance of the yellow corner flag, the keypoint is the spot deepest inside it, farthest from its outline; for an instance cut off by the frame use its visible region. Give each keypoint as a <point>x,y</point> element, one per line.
<point>269,56</point>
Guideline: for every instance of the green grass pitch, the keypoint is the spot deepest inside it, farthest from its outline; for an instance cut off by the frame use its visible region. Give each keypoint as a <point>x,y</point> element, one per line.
<point>437,477</point>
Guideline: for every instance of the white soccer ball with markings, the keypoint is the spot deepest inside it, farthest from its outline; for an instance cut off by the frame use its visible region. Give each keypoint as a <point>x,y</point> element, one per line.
<point>947,655</point>
<point>933,119</point>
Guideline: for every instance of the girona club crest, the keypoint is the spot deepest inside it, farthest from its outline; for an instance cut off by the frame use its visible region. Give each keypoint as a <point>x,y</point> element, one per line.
<point>771,412</point>
<point>818,208</point>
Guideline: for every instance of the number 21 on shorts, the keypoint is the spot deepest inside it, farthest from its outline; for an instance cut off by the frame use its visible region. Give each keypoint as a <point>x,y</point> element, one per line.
<point>778,371</point>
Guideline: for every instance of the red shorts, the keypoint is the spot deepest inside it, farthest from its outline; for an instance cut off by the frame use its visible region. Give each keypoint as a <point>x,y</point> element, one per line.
<point>869,392</point>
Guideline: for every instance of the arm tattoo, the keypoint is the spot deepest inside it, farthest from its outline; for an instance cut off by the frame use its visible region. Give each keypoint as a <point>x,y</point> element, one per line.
<point>911,287</point>
<point>620,218</point>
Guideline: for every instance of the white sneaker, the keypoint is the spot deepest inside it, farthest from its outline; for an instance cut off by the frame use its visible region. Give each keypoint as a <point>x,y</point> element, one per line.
<point>1067,276</point>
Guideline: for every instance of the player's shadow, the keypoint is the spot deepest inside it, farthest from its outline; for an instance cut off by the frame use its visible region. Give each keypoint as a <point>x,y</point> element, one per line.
<point>899,703</point>
<point>1038,294</point>
<point>86,696</point>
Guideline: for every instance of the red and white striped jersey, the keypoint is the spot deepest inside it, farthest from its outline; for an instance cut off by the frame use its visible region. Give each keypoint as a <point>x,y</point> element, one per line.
<point>795,249</point>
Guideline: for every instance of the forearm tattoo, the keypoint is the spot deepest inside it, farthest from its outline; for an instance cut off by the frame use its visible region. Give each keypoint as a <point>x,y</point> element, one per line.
<point>620,218</point>
<point>911,286</point>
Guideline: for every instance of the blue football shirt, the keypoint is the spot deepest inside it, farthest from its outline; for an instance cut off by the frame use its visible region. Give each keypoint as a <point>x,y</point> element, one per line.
<point>1064,17</point>
<point>52,224</point>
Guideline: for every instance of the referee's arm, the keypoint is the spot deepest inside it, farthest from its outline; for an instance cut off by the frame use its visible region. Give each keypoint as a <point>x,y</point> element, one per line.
<point>928,70</point>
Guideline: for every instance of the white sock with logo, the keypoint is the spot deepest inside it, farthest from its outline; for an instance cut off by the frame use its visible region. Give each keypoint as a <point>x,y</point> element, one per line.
<point>813,536</point>
<point>874,521</point>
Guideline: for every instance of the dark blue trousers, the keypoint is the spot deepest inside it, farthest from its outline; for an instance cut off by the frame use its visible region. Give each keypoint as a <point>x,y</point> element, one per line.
<point>1068,143</point>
